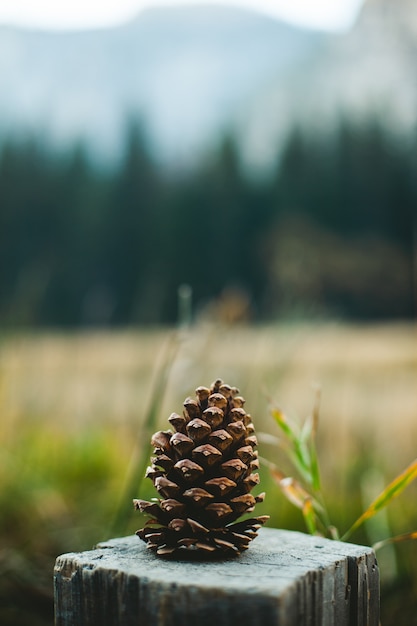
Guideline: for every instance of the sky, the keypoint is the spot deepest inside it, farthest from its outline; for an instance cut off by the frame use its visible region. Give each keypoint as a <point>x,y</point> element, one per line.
<point>81,14</point>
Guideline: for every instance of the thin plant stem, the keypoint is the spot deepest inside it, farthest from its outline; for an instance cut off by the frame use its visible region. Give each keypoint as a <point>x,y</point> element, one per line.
<point>140,456</point>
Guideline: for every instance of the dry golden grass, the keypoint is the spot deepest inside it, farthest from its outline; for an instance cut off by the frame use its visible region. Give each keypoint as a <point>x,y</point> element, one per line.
<point>367,374</point>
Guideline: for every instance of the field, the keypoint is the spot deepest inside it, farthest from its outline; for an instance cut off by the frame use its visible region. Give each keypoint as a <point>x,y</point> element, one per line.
<point>75,411</point>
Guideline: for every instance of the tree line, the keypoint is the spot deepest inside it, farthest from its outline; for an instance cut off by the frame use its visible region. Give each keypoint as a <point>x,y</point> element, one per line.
<point>330,232</point>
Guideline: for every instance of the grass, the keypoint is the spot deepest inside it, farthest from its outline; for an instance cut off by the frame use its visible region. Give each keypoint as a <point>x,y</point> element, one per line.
<point>72,409</point>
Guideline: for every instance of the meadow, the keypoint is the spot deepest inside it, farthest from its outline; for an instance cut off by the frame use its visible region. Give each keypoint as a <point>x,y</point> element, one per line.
<point>76,410</point>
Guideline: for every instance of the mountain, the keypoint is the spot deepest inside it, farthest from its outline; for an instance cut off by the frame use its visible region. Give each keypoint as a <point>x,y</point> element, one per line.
<point>366,73</point>
<point>193,73</point>
<point>184,72</point>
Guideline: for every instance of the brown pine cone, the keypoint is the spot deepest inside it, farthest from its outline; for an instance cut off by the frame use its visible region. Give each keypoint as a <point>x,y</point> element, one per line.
<point>204,473</point>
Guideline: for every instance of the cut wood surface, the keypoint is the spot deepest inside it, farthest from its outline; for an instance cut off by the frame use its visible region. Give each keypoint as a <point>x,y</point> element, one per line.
<point>285,578</point>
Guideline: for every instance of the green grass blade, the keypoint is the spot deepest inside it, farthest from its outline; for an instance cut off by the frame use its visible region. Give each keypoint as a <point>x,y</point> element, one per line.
<point>303,460</point>
<point>314,468</point>
<point>293,490</point>
<point>282,421</point>
<point>392,490</point>
<point>310,516</point>
<point>316,413</point>
<point>307,429</point>
<point>299,455</point>
<point>314,463</point>
<point>140,457</point>
<point>295,493</point>
<point>333,532</point>
<point>397,539</point>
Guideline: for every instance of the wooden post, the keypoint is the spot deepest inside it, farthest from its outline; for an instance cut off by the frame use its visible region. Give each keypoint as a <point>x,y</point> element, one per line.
<point>285,578</point>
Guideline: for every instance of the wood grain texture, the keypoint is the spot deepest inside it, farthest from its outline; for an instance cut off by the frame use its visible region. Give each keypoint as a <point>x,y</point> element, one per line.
<point>285,579</point>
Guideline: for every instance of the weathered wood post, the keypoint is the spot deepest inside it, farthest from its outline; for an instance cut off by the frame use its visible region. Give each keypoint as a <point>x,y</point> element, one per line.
<point>285,579</point>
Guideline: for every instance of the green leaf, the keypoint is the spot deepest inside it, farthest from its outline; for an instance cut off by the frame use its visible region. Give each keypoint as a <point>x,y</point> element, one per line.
<point>392,490</point>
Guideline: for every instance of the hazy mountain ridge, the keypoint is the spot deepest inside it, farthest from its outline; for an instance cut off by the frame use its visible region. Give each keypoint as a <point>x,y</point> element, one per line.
<point>367,73</point>
<point>190,73</point>
<point>184,71</point>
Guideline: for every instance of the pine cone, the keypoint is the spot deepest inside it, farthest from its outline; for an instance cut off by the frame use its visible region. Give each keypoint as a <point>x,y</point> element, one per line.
<point>204,473</point>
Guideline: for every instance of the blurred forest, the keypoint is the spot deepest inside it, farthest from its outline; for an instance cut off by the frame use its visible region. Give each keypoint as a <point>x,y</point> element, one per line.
<point>330,233</point>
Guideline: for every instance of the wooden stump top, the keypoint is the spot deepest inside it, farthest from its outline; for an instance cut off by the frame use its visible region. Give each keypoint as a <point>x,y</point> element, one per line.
<point>284,578</point>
